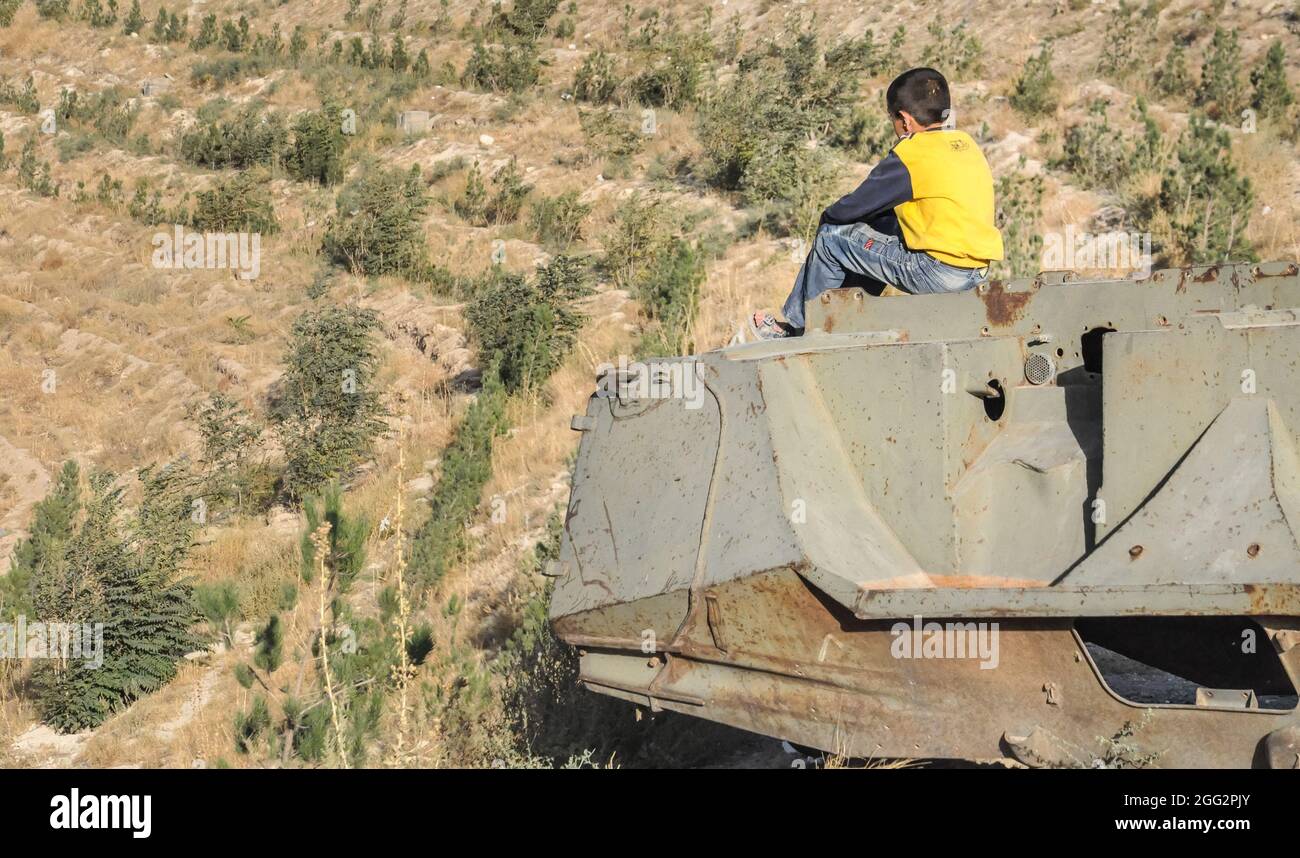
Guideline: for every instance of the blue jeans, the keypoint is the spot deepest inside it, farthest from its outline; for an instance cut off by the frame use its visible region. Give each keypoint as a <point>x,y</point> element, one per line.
<point>858,249</point>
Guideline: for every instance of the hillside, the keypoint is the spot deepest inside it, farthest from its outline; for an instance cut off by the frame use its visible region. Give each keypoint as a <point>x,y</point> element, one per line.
<point>469,208</point>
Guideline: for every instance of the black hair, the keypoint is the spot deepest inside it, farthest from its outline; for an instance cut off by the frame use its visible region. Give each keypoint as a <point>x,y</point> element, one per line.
<point>921,92</point>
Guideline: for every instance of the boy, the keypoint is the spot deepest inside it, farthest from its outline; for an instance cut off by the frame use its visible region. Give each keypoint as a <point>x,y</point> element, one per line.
<point>921,222</point>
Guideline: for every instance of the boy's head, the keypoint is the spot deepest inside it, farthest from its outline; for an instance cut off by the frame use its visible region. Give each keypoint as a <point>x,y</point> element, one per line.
<point>917,99</point>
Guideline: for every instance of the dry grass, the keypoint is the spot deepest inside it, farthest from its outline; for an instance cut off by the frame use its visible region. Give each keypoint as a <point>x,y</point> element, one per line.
<point>1272,166</point>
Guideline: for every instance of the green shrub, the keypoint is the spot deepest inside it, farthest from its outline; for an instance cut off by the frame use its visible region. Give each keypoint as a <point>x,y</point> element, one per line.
<point>596,81</point>
<point>649,255</point>
<point>109,112</point>
<point>240,204</point>
<point>23,99</point>
<point>148,209</point>
<point>109,192</point>
<point>73,146</point>
<point>508,194</point>
<point>611,135</point>
<point>41,554</point>
<point>308,729</point>
<point>128,580</point>
<point>472,204</point>
<point>34,174</point>
<point>231,439</point>
<point>346,552</point>
<point>249,726</point>
<point>94,14</point>
<point>526,19</point>
<point>1102,156</point>
<point>8,8</point>
<point>1172,78</point>
<point>510,67</point>
<point>297,45</point>
<point>421,68</point>
<point>169,27</point>
<point>326,411</point>
<point>377,226</point>
<point>219,605</point>
<point>1125,39</point>
<point>316,151</point>
<point>645,226</point>
<point>527,326</point>
<point>1019,210</point>
<point>557,221</point>
<point>501,205</point>
<point>444,168</point>
<point>670,295</point>
<point>1034,92</point>
<point>1221,92</point>
<point>53,10</point>
<point>862,56</point>
<point>247,140</point>
<point>135,20</point>
<point>869,134</point>
<point>268,651</point>
<point>1206,198</point>
<point>207,34</point>
<point>1272,92</point>
<point>760,132</point>
<point>235,37</point>
<point>466,468</point>
<point>221,71</point>
<point>791,187</point>
<point>954,49</point>
<point>674,67</point>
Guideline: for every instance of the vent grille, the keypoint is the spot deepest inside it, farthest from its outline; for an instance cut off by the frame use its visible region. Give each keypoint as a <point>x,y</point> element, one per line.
<point>1039,369</point>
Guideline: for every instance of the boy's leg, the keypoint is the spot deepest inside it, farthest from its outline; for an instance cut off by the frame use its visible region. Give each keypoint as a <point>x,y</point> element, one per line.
<point>837,250</point>
<point>859,249</point>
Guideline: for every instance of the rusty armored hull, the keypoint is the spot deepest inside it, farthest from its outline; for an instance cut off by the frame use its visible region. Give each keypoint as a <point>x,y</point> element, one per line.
<point>1101,478</point>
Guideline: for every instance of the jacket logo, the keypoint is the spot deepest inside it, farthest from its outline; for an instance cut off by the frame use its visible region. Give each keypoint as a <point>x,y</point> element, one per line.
<point>958,145</point>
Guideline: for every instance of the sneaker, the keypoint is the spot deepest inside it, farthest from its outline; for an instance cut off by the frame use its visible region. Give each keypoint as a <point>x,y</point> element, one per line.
<point>765,326</point>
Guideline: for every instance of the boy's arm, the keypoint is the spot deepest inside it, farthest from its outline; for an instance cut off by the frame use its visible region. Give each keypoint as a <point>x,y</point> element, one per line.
<point>888,185</point>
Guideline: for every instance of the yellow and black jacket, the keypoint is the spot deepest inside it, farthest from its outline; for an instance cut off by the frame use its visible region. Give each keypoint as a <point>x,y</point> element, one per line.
<point>939,186</point>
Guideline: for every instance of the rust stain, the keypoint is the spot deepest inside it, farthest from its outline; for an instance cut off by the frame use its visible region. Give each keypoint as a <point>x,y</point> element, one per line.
<point>982,581</point>
<point>1003,307</point>
<point>1273,599</point>
<point>1258,596</point>
<point>1209,275</point>
<point>1290,271</point>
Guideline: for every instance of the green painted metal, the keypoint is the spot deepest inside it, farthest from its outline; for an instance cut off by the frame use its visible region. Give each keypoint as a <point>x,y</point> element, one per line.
<point>1033,452</point>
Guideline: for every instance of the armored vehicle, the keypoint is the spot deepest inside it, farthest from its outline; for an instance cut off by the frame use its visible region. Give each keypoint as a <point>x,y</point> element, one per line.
<point>1050,519</point>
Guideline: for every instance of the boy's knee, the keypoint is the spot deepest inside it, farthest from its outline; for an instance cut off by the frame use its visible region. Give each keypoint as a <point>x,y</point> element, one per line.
<point>826,236</point>
<point>831,242</point>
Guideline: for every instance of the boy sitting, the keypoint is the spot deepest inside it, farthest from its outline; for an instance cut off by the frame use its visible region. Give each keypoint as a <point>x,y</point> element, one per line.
<point>921,222</point>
